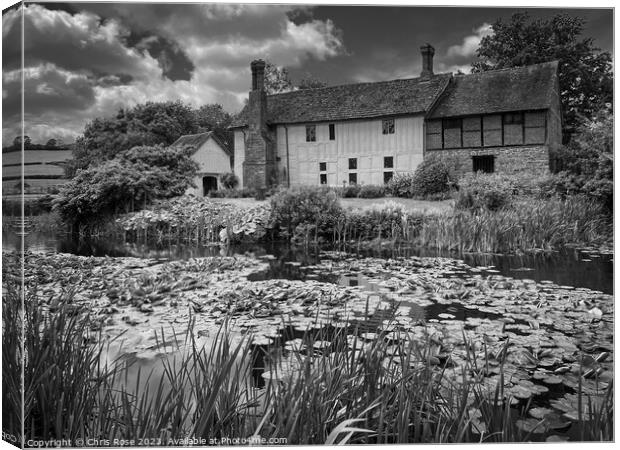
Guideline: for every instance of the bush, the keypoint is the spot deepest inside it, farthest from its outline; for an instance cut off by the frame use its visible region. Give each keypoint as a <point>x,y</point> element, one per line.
<point>432,177</point>
<point>229,180</point>
<point>478,191</point>
<point>306,206</point>
<point>371,191</point>
<point>401,185</point>
<point>350,191</point>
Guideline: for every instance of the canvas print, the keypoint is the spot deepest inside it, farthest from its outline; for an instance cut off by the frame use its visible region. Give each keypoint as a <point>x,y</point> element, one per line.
<point>253,224</point>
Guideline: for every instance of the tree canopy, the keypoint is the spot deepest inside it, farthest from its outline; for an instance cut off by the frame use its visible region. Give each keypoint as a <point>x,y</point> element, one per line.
<point>128,182</point>
<point>278,80</point>
<point>585,73</point>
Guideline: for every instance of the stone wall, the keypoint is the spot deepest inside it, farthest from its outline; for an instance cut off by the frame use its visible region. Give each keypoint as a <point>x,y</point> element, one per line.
<point>508,160</point>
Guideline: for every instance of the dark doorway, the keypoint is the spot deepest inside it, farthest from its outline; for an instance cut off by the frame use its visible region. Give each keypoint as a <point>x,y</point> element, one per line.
<point>484,164</point>
<point>209,183</point>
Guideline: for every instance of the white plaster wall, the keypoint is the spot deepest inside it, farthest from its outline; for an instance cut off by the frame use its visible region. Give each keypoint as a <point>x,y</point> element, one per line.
<point>361,139</point>
<point>239,155</point>
<point>212,160</point>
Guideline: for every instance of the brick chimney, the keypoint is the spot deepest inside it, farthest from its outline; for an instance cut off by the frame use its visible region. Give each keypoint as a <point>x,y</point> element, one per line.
<point>259,166</point>
<point>427,60</point>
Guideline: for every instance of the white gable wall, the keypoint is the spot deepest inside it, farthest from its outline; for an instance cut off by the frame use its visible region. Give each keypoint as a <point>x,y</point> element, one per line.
<point>361,139</point>
<point>212,160</point>
<point>239,155</point>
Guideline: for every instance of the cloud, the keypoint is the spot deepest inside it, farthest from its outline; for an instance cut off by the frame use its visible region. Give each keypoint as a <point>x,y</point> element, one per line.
<point>97,58</point>
<point>470,43</point>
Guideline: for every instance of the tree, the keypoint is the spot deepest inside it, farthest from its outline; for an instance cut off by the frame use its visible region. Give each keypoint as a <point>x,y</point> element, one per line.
<point>129,182</point>
<point>277,79</point>
<point>585,73</point>
<point>212,118</point>
<point>52,143</point>
<point>148,124</point>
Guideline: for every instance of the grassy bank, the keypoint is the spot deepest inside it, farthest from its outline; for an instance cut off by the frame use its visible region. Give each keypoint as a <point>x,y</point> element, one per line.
<point>393,388</point>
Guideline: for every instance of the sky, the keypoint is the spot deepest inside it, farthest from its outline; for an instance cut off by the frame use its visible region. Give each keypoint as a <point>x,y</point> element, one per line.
<point>87,60</point>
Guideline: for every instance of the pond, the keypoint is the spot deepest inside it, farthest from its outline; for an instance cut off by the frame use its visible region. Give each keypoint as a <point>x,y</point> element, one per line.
<point>587,268</point>
<point>548,308</point>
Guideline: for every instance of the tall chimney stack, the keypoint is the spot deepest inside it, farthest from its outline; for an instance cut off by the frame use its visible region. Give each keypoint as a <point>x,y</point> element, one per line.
<point>258,75</point>
<point>259,165</point>
<point>427,60</point>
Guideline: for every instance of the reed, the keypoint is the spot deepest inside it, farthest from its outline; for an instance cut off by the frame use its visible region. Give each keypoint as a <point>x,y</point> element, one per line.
<point>387,390</point>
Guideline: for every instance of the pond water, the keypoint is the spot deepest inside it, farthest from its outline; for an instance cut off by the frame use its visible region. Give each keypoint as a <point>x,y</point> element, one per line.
<point>586,268</point>
<point>287,265</point>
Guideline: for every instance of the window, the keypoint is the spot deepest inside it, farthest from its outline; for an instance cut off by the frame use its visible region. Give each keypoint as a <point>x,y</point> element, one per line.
<point>535,124</point>
<point>310,133</point>
<point>388,126</point>
<point>352,163</point>
<point>484,164</point>
<point>388,162</point>
<point>352,178</point>
<point>434,137</point>
<point>452,133</point>
<point>322,166</point>
<point>387,176</point>
<point>332,132</point>
<point>492,130</point>
<point>513,129</point>
<point>472,131</point>
<point>323,178</point>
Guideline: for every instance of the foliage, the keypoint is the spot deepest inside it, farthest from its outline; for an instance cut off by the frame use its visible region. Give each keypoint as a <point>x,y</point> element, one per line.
<point>587,161</point>
<point>431,177</point>
<point>147,124</point>
<point>213,118</point>
<point>371,191</point>
<point>349,191</point>
<point>229,180</point>
<point>401,185</point>
<point>585,73</point>
<point>306,206</point>
<point>483,191</point>
<point>127,183</point>
<point>233,193</point>
<point>197,219</point>
<point>277,79</point>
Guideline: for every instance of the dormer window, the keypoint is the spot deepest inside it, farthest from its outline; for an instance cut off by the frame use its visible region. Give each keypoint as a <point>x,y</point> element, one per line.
<point>388,126</point>
<point>310,133</point>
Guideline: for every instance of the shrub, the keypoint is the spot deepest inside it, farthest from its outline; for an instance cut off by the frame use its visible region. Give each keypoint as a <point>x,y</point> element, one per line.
<point>478,191</point>
<point>306,205</point>
<point>229,180</point>
<point>371,191</point>
<point>430,178</point>
<point>401,185</point>
<point>350,191</point>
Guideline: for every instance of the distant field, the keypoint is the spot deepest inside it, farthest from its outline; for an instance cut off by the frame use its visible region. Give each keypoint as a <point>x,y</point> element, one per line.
<point>40,156</point>
<point>34,170</point>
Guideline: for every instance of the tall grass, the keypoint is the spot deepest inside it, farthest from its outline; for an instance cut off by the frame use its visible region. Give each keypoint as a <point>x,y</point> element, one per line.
<point>385,391</point>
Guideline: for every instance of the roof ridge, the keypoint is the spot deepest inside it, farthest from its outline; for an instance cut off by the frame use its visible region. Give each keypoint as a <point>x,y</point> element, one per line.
<point>437,75</point>
<point>505,69</point>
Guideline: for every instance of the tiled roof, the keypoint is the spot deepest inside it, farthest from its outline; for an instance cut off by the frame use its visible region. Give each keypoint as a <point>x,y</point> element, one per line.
<point>195,141</point>
<point>352,101</point>
<point>520,88</point>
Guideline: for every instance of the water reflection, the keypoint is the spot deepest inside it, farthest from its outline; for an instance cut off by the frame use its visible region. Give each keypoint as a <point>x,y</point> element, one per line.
<point>569,267</point>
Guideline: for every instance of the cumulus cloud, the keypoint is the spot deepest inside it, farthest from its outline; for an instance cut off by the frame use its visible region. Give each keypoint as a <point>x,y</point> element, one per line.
<point>470,43</point>
<point>86,64</point>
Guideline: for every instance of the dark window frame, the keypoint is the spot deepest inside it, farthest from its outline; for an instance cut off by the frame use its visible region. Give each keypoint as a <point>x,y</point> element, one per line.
<point>387,176</point>
<point>388,126</point>
<point>353,162</point>
<point>322,166</point>
<point>483,163</point>
<point>322,176</point>
<point>353,175</point>
<point>332,131</point>
<point>310,133</point>
<point>388,162</point>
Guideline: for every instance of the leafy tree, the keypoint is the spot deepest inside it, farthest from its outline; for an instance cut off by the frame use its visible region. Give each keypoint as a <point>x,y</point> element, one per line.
<point>212,118</point>
<point>277,79</point>
<point>52,143</point>
<point>129,182</point>
<point>146,124</point>
<point>585,73</point>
